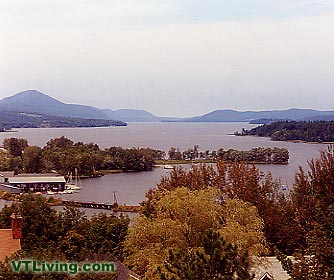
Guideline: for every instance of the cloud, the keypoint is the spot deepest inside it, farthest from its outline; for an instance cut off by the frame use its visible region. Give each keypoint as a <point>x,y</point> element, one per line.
<point>82,10</point>
<point>297,4</point>
<point>77,50</point>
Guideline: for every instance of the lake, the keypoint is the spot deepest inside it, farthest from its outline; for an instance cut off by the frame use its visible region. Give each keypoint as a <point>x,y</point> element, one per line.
<point>131,187</point>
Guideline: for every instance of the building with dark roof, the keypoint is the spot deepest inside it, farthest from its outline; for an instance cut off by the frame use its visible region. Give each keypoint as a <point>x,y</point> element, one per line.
<point>31,182</point>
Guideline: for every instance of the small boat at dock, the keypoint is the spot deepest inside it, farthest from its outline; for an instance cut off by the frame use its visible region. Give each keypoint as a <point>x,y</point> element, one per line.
<point>168,166</point>
<point>73,185</point>
<point>67,191</point>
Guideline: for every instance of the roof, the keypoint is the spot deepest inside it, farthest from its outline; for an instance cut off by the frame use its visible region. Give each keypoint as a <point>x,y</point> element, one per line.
<point>7,174</point>
<point>37,179</point>
<point>37,175</point>
<point>270,267</point>
<point>8,245</point>
<point>123,272</point>
<point>266,276</point>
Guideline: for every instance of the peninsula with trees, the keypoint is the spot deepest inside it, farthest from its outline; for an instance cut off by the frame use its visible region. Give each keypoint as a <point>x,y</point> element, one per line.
<point>63,156</point>
<point>307,131</point>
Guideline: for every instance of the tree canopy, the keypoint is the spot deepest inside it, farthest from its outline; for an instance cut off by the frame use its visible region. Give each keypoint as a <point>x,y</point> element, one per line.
<point>182,216</point>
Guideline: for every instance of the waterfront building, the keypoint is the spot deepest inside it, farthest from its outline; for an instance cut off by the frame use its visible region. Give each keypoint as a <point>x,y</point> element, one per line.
<point>32,182</point>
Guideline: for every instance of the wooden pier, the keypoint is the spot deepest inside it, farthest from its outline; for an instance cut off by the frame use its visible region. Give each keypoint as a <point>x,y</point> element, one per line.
<point>88,204</point>
<point>99,205</point>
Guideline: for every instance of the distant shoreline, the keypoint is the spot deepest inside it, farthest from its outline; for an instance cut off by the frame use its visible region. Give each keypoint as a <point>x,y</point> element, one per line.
<point>289,141</point>
<point>10,131</point>
<point>205,161</point>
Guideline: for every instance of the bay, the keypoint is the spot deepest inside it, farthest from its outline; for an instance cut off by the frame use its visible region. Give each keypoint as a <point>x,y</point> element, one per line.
<point>131,187</point>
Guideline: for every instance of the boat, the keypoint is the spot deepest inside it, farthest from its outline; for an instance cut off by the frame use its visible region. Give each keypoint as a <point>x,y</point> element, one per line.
<point>167,166</point>
<point>50,192</point>
<point>67,191</point>
<point>73,185</point>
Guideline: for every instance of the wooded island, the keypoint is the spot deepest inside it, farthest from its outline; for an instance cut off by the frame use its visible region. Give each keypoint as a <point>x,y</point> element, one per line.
<point>317,131</point>
<point>62,155</point>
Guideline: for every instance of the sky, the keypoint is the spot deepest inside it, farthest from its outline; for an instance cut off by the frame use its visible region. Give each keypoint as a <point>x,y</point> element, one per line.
<point>172,58</point>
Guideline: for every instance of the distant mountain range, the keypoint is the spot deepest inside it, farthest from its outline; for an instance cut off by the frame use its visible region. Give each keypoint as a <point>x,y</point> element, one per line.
<point>131,115</point>
<point>253,116</point>
<point>33,108</point>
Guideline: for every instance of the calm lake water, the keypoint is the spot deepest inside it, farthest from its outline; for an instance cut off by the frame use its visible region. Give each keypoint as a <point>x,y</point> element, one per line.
<point>131,187</point>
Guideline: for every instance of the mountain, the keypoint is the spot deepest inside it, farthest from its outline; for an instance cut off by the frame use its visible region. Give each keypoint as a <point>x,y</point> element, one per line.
<point>246,116</point>
<point>12,119</point>
<point>131,115</point>
<point>34,101</point>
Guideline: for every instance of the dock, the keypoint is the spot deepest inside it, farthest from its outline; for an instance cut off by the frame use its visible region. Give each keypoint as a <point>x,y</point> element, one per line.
<point>103,206</point>
<point>88,204</point>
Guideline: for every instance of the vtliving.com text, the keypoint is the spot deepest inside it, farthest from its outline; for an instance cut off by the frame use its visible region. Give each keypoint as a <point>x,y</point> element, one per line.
<point>34,266</point>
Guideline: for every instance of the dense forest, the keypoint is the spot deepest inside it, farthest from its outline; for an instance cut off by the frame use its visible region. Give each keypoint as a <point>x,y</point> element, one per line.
<point>204,223</point>
<point>12,119</point>
<point>316,131</point>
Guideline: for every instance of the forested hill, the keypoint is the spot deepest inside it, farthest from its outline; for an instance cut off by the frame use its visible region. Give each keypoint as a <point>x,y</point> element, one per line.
<point>12,119</point>
<point>317,131</point>
<point>33,101</point>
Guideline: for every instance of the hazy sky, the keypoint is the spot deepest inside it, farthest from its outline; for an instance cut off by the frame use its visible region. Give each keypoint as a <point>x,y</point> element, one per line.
<point>176,57</point>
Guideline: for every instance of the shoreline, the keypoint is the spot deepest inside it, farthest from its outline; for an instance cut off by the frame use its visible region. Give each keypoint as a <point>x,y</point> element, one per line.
<point>290,141</point>
<point>181,162</point>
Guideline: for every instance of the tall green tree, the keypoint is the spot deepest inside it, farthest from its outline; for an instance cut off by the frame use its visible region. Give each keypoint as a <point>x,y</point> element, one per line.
<point>15,146</point>
<point>216,259</point>
<point>32,159</point>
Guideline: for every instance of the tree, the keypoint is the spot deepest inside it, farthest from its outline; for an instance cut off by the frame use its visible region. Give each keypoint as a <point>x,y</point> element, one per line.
<point>248,184</point>
<point>174,153</point>
<point>244,227</point>
<point>59,143</point>
<point>243,182</point>
<point>15,164</point>
<point>181,215</point>
<point>313,200</point>
<point>216,259</point>
<point>15,146</point>
<point>4,160</point>
<point>106,234</point>
<point>39,222</point>
<point>32,159</point>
